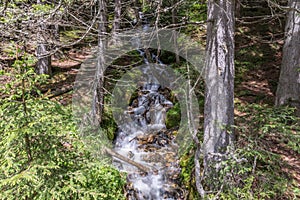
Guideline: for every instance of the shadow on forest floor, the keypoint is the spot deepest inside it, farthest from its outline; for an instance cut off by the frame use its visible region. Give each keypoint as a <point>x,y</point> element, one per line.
<point>258,59</point>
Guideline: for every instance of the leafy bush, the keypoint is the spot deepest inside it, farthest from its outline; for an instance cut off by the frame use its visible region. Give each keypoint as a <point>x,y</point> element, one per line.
<point>41,156</point>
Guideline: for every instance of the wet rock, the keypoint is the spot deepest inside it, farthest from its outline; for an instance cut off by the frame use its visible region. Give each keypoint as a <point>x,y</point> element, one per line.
<point>130,154</point>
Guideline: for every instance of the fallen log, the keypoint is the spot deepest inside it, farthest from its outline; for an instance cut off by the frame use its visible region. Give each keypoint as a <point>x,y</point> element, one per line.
<point>131,162</point>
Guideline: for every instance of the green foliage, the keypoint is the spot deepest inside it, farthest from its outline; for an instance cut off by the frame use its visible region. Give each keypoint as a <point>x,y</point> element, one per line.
<point>195,10</point>
<point>187,172</point>
<point>278,123</point>
<point>10,49</point>
<point>42,8</point>
<point>71,34</point>
<point>173,116</point>
<point>41,157</point>
<point>251,57</point>
<point>254,171</point>
<point>250,173</point>
<point>108,123</point>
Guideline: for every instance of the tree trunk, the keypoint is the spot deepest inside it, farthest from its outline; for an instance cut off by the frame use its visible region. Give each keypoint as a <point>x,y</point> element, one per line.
<point>237,8</point>
<point>219,78</point>
<point>98,95</point>
<point>43,65</point>
<point>288,90</point>
<point>174,21</point>
<point>117,21</point>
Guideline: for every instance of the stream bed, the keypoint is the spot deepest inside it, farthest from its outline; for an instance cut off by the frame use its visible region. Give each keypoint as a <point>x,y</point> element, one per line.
<point>148,142</point>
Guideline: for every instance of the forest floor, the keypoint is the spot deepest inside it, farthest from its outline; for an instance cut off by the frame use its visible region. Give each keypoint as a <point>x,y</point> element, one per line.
<point>258,61</point>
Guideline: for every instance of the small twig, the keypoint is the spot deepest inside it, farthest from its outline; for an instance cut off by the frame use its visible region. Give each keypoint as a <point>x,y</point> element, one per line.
<point>254,165</point>
<point>285,8</point>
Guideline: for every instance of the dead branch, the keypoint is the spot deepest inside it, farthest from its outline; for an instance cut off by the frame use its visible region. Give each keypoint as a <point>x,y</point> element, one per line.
<point>127,160</point>
<point>60,91</point>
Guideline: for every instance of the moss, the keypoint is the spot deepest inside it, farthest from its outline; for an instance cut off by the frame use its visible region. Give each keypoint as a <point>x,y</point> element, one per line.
<point>187,173</point>
<point>108,124</point>
<point>173,116</point>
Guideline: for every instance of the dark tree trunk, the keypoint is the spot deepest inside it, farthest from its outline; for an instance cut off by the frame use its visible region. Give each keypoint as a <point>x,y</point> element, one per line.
<point>219,78</point>
<point>288,90</point>
<point>237,8</point>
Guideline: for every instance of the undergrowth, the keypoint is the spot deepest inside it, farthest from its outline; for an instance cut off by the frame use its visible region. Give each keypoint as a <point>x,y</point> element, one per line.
<point>41,155</point>
<point>254,170</point>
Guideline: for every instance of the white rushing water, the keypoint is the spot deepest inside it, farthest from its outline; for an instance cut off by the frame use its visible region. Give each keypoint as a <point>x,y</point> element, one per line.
<point>149,115</point>
<point>144,138</point>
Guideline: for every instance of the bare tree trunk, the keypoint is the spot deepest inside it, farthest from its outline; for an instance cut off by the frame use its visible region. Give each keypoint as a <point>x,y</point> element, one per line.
<point>43,65</point>
<point>219,78</point>
<point>288,90</point>
<point>158,8</point>
<point>117,21</point>
<point>98,95</point>
<point>174,21</point>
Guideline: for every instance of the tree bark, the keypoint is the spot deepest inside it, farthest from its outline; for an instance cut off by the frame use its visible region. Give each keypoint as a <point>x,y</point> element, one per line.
<point>288,90</point>
<point>43,65</point>
<point>117,21</point>
<point>98,94</point>
<point>219,79</point>
<point>237,8</point>
<point>174,21</point>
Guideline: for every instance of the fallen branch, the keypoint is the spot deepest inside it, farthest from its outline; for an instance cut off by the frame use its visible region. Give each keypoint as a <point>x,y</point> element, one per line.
<point>60,91</point>
<point>127,160</point>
